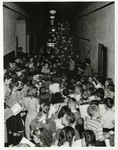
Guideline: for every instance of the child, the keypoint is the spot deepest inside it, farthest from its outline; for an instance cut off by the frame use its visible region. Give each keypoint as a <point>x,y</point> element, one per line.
<point>84,97</point>
<point>66,136</point>
<point>42,137</point>
<point>44,96</point>
<point>88,69</point>
<point>54,87</point>
<point>78,120</point>
<point>98,82</point>
<point>72,106</point>
<point>56,104</point>
<point>99,95</point>
<point>94,124</point>
<point>30,103</point>
<point>88,138</point>
<point>45,69</point>
<point>78,91</point>
<point>69,120</point>
<point>110,91</point>
<point>61,113</point>
<point>108,118</point>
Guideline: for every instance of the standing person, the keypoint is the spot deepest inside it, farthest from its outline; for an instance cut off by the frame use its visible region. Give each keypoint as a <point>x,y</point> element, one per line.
<point>14,124</point>
<point>30,103</point>
<point>88,69</point>
<point>71,67</point>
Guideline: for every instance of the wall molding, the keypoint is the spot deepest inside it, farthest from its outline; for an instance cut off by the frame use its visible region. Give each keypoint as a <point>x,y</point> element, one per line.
<point>92,9</point>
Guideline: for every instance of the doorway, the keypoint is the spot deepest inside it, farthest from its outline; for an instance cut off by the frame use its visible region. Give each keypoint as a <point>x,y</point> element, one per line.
<point>102,61</point>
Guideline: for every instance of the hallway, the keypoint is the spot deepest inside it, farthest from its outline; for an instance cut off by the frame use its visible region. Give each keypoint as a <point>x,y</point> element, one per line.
<point>89,24</point>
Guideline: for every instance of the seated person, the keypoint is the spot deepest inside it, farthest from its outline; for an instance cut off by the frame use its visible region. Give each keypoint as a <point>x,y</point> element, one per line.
<point>66,136</point>
<point>88,138</point>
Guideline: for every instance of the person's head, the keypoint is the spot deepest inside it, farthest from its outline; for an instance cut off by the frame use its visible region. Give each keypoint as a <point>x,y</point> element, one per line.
<point>88,138</point>
<point>13,86</point>
<point>66,135</point>
<point>108,81</point>
<point>90,79</point>
<point>20,49</point>
<point>70,86</point>
<point>43,137</point>
<point>45,107</point>
<point>72,103</point>
<point>31,59</point>
<point>99,94</point>
<point>7,79</point>
<point>68,119</point>
<point>63,110</point>
<point>93,111</point>
<point>87,61</point>
<point>57,98</point>
<point>110,88</point>
<point>66,92</point>
<point>78,89</point>
<point>84,95</point>
<point>17,60</point>
<point>90,86</point>
<point>109,103</point>
<point>33,91</point>
<point>46,65</point>
<point>42,90</point>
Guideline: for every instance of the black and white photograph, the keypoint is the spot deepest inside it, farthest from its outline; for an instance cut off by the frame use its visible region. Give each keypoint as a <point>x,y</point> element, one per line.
<point>59,74</point>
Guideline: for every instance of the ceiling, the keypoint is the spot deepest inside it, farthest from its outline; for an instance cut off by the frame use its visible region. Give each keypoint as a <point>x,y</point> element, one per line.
<point>67,10</point>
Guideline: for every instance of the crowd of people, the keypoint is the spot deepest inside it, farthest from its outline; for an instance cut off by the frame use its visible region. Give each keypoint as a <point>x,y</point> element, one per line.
<point>51,92</point>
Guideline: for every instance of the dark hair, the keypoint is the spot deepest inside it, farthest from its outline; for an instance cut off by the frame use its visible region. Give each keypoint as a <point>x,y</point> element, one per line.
<point>42,90</point>
<point>66,134</point>
<point>88,61</point>
<point>63,110</point>
<point>109,80</point>
<point>94,102</point>
<point>100,93</point>
<point>70,86</point>
<point>70,117</point>
<point>57,98</point>
<point>90,138</point>
<point>111,87</point>
<point>109,102</point>
<point>66,92</point>
<point>90,86</point>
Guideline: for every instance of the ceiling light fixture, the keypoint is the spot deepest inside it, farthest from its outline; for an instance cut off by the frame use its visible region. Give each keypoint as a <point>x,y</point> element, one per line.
<point>52,12</point>
<point>52,17</point>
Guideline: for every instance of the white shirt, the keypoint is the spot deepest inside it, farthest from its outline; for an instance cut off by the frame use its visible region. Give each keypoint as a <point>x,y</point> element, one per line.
<point>107,119</point>
<point>54,88</point>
